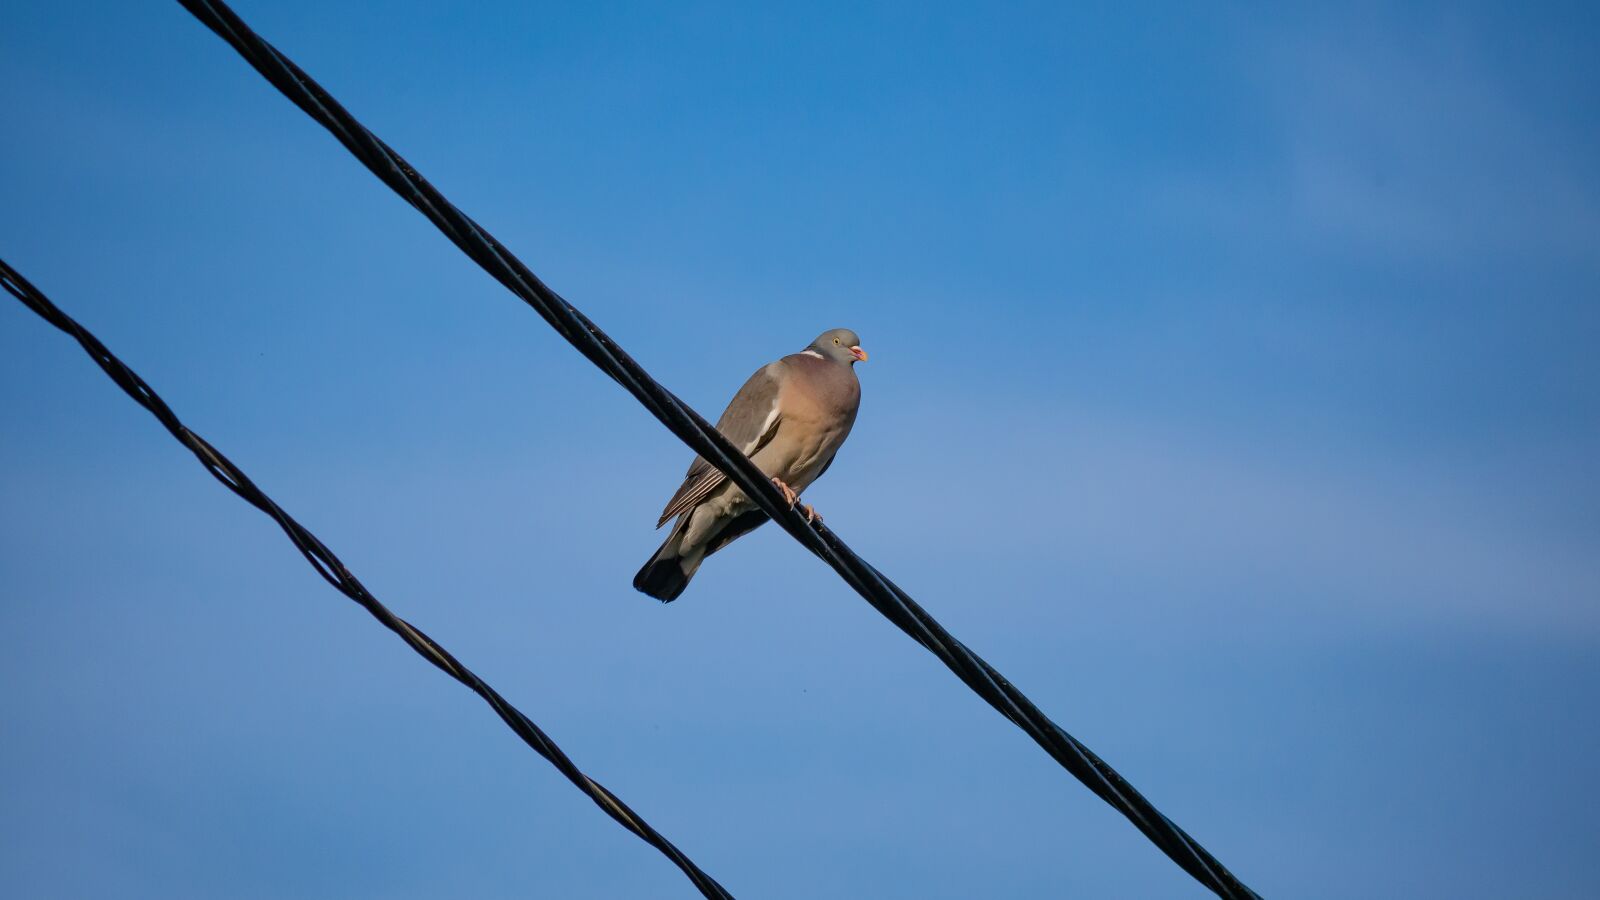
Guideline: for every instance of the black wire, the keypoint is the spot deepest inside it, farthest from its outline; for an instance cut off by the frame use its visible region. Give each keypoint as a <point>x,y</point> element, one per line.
<point>693,430</point>
<point>331,569</point>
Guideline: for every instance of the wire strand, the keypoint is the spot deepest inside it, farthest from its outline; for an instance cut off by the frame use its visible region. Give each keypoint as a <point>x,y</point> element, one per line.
<point>884,596</point>
<point>334,572</point>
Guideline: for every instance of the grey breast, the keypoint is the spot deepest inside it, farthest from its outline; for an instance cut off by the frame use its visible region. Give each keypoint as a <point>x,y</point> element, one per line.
<point>820,400</point>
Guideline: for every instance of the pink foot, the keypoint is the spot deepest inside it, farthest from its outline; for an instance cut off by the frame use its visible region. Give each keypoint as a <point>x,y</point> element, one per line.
<point>789,495</point>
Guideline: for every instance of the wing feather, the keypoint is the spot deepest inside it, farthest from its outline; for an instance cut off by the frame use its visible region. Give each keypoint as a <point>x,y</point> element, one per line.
<point>749,422</point>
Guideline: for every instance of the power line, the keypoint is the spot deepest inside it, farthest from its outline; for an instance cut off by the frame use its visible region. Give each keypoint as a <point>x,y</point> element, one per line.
<point>594,344</point>
<point>694,431</point>
<point>331,569</point>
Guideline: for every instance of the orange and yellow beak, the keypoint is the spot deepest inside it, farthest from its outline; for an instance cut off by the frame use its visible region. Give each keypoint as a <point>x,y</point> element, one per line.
<point>859,354</point>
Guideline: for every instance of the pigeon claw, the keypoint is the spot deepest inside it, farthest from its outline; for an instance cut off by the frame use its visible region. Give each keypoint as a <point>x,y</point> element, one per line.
<point>812,516</point>
<point>790,496</point>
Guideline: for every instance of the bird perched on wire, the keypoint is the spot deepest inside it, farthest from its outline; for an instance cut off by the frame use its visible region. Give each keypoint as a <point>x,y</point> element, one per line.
<point>789,418</point>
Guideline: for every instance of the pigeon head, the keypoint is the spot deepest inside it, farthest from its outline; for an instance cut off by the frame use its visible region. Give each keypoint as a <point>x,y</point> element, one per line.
<point>840,345</point>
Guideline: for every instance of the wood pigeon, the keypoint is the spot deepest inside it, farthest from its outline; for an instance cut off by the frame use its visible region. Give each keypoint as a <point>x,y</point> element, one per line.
<point>789,418</point>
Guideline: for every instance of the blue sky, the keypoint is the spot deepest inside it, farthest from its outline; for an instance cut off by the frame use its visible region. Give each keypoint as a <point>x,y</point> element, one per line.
<point>1233,390</point>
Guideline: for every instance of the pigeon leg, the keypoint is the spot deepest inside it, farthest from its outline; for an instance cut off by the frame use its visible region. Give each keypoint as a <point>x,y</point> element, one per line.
<point>789,494</point>
<point>811,514</point>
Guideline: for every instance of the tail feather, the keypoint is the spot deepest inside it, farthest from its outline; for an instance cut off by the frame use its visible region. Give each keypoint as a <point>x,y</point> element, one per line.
<point>663,579</point>
<point>668,572</point>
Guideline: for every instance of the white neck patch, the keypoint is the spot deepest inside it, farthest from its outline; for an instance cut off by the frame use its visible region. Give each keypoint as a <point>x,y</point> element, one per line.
<point>810,352</point>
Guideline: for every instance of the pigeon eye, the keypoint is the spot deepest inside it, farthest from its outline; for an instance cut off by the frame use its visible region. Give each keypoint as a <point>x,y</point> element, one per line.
<point>836,340</point>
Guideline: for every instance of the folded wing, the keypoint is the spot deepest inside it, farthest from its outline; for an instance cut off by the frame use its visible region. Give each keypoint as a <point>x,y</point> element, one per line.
<point>749,422</point>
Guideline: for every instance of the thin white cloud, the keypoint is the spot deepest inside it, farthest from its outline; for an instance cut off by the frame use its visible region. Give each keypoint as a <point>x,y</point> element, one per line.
<point>1404,142</point>
<point>1390,544</point>
<point>1425,147</point>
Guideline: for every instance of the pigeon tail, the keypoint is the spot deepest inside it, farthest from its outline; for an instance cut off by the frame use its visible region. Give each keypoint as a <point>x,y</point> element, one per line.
<point>663,579</point>
<point>668,572</point>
